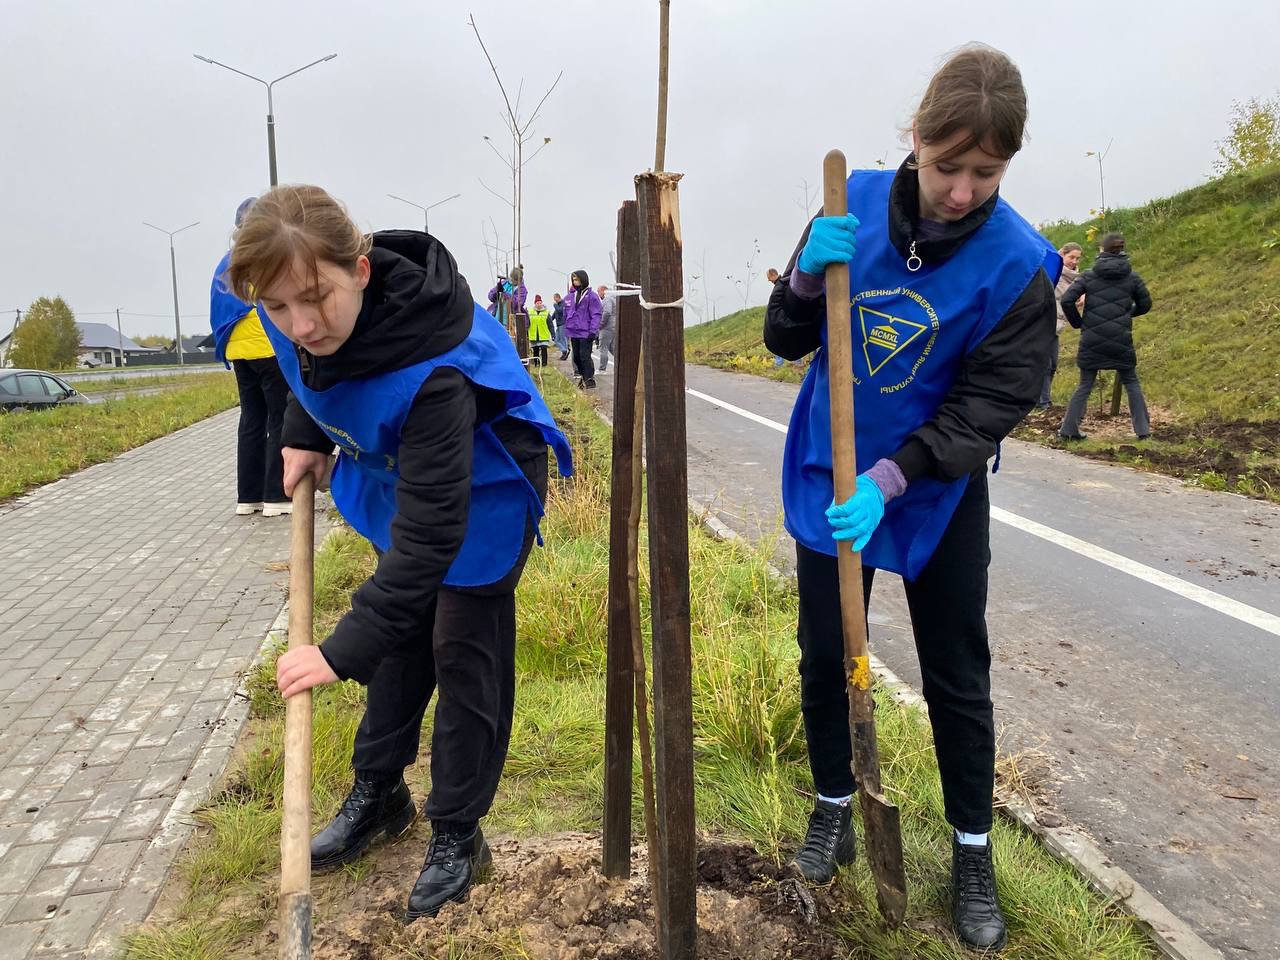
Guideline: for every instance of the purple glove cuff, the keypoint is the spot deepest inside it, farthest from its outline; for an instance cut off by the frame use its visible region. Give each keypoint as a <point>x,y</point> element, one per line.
<point>888,476</point>
<point>806,286</point>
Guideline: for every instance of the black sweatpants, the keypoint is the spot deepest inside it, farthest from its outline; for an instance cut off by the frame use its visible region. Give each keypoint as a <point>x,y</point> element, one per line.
<point>470,662</point>
<point>948,604</point>
<point>583,365</point>
<point>263,395</point>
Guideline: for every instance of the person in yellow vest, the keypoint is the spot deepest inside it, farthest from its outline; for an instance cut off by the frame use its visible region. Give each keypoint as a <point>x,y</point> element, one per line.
<point>539,331</point>
<point>242,344</point>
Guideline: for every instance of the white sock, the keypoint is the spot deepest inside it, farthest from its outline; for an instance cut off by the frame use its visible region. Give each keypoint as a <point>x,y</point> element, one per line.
<point>972,839</point>
<point>842,801</point>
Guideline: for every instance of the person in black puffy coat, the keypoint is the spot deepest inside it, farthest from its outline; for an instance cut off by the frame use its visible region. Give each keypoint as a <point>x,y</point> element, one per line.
<point>1113,295</point>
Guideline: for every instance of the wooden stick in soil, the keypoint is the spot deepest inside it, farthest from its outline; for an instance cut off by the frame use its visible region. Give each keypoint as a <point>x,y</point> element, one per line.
<point>619,683</point>
<point>666,466</point>
<point>295,826</point>
<point>880,819</point>
<point>637,635</point>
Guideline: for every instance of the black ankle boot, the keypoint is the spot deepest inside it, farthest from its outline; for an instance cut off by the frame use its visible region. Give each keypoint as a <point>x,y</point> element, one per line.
<point>829,843</point>
<point>455,860</point>
<point>974,907</point>
<point>376,806</point>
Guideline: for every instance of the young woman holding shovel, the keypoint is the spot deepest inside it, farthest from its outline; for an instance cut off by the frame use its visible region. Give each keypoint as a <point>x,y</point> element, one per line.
<point>952,314</point>
<point>443,466</point>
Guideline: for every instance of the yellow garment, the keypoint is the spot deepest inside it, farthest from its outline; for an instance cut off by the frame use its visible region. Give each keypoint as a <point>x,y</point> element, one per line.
<point>539,329</point>
<point>248,340</point>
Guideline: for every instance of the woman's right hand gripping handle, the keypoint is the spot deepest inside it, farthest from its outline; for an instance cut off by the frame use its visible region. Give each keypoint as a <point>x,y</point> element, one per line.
<point>298,463</point>
<point>831,240</point>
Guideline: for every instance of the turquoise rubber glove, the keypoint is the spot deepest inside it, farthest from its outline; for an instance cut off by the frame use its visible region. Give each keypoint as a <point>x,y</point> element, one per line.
<point>507,288</point>
<point>831,240</point>
<point>857,518</point>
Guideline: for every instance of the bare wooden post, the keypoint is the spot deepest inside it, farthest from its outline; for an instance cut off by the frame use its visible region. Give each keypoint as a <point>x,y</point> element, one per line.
<point>667,472</point>
<point>1115,396</point>
<point>619,695</point>
<point>295,825</point>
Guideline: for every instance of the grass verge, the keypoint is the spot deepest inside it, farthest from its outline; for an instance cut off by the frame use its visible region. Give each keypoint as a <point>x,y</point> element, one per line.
<point>44,445</point>
<point>751,772</point>
<point>112,384</point>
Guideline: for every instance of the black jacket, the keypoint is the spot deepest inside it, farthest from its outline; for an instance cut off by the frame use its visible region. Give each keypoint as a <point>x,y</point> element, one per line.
<point>416,306</point>
<point>999,381</point>
<point>1113,296</point>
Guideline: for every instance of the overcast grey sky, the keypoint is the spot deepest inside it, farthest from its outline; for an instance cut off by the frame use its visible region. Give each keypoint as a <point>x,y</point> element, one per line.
<point>107,120</point>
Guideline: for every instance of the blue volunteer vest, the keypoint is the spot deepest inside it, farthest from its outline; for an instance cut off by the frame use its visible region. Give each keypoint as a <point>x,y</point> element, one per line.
<point>364,418</point>
<point>911,334</point>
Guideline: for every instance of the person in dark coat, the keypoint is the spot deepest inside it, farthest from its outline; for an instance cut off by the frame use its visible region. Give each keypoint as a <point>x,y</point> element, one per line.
<point>1114,294</point>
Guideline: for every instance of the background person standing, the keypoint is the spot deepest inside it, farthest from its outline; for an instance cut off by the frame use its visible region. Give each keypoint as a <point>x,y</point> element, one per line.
<point>1113,295</point>
<point>582,309</point>
<point>241,344</point>
<point>1070,253</point>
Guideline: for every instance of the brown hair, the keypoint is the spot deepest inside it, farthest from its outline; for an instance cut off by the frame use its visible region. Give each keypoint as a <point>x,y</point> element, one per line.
<point>288,223</point>
<point>979,90</point>
<point>1068,247</point>
<point>1113,243</point>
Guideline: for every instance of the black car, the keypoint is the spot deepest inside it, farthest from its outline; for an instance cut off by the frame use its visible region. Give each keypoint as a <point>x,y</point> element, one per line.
<point>34,390</point>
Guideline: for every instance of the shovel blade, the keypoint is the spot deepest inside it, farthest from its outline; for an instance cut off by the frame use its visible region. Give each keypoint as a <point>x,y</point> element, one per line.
<point>882,837</point>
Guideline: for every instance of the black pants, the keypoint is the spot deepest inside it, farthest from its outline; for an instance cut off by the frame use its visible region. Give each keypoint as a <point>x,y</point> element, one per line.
<point>263,395</point>
<point>948,616</point>
<point>583,365</point>
<point>470,661</point>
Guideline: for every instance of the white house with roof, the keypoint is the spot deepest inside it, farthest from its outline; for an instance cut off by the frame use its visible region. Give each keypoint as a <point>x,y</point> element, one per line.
<point>100,343</point>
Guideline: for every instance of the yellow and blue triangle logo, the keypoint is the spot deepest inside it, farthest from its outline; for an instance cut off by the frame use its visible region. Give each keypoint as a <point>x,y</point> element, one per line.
<point>884,337</point>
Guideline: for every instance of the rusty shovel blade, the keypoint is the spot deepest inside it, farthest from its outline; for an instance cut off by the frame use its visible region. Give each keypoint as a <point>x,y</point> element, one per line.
<point>882,837</point>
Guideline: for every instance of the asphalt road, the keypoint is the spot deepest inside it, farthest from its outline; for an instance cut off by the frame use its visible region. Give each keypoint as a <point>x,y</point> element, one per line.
<point>1135,629</point>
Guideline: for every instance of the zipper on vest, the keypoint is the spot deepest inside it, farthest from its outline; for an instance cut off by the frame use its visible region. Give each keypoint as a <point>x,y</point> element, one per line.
<point>304,360</point>
<point>914,262</point>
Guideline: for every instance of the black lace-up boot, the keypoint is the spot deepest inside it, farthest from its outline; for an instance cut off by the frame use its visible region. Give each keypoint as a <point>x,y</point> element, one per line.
<point>829,843</point>
<point>974,907</point>
<point>456,859</point>
<point>377,805</point>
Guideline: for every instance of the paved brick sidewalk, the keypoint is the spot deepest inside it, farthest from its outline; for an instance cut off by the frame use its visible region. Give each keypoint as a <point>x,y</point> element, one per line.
<point>130,600</point>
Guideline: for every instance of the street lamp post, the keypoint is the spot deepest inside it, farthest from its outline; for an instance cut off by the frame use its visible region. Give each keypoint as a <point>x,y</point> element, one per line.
<point>1102,184</point>
<point>271,119</point>
<point>426,224</point>
<point>173,269</point>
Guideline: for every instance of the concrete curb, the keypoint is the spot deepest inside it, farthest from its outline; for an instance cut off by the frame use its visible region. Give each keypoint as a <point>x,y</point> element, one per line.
<point>1172,936</point>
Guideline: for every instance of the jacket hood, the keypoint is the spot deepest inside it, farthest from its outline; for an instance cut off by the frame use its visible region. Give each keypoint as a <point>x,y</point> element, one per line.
<point>584,282</point>
<point>416,306</point>
<point>1112,266</point>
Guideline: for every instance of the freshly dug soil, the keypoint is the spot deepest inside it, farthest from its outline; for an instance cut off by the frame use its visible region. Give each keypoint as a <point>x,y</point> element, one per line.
<point>1221,446</point>
<point>546,899</point>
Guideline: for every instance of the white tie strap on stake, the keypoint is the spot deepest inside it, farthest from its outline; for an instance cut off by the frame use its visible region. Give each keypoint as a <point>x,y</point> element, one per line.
<point>632,290</point>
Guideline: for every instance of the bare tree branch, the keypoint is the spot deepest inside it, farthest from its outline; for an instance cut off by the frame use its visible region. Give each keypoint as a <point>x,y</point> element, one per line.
<point>472,20</point>
<point>538,108</point>
<point>505,200</point>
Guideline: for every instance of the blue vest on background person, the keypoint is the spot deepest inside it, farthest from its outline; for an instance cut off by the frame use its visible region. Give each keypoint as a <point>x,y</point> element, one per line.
<point>364,418</point>
<point>225,309</point>
<point>911,334</point>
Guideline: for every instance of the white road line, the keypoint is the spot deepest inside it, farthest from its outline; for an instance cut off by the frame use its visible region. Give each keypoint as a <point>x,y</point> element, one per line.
<point>1268,622</point>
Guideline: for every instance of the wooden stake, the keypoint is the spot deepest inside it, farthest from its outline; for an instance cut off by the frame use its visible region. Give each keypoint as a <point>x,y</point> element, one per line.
<point>667,473</point>
<point>619,694</point>
<point>295,826</point>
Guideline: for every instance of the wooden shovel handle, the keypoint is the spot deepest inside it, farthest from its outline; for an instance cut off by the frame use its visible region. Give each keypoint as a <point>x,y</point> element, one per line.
<point>835,203</point>
<point>295,828</point>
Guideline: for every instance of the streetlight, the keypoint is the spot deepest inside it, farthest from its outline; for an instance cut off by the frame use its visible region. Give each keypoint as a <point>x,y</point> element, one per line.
<point>425,210</point>
<point>173,267</point>
<point>271,120</point>
<point>1102,186</point>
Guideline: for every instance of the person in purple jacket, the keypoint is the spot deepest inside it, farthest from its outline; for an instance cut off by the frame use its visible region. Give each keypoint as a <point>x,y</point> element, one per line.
<point>513,291</point>
<point>582,309</point>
